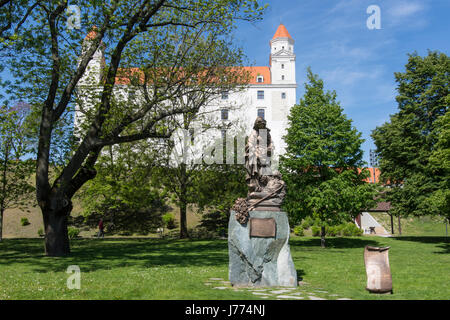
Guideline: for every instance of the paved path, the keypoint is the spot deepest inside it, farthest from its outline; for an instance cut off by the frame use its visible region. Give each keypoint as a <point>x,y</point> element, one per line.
<point>303,291</point>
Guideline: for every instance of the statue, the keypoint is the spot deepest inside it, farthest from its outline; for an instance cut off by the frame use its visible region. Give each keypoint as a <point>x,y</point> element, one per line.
<point>258,231</point>
<point>258,151</point>
<point>266,189</point>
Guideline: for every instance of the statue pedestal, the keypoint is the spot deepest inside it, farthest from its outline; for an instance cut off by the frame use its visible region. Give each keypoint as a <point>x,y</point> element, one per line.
<point>259,253</point>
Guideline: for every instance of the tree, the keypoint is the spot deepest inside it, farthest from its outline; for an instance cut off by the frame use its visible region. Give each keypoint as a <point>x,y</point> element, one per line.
<point>185,175</point>
<point>157,38</point>
<point>15,171</point>
<point>215,203</point>
<point>440,165</point>
<point>122,193</point>
<point>322,163</point>
<point>413,145</point>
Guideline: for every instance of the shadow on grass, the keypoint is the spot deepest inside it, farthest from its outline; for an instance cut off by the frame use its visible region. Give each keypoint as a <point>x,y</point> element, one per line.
<point>443,242</point>
<point>334,242</point>
<point>109,253</point>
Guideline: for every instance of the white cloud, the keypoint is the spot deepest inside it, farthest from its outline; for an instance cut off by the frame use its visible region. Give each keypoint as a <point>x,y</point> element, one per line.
<point>405,9</point>
<point>347,77</point>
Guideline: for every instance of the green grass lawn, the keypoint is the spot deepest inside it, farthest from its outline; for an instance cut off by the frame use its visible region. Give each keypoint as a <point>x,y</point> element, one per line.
<point>182,269</point>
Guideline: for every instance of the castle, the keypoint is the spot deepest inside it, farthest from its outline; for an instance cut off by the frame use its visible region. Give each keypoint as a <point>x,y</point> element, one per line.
<point>270,93</point>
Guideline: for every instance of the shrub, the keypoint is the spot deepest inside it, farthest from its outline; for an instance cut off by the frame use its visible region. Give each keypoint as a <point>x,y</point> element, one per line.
<point>73,232</point>
<point>332,231</point>
<point>202,233</point>
<point>298,230</point>
<point>307,222</point>
<point>315,231</point>
<point>169,221</point>
<point>339,229</point>
<point>351,230</point>
<point>40,232</point>
<point>24,221</point>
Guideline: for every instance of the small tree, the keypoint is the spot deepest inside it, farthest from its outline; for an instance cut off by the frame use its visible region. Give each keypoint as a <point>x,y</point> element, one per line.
<point>185,175</point>
<point>322,162</point>
<point>122,192</point>
<point>15,172</point>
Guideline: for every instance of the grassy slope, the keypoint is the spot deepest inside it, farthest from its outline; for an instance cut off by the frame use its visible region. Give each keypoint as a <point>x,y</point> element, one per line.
<point>13,229</point>
<point>413,226</point>
<point>161,269</point>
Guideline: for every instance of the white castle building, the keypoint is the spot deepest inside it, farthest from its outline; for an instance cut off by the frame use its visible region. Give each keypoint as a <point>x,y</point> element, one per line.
<point>270,93</point>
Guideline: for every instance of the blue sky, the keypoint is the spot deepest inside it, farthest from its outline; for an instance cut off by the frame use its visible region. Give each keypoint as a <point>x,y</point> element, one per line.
<point>332,37</point>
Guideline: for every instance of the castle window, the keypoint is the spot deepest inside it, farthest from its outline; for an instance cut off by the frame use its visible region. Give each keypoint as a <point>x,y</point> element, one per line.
<point>282,66</point>
<point>282,77</point>
<point>224,95</point>
<point>224,114</point>
<point>259,79</point>
<point>261,113</point>
<point>282,48</point>
<point>260,94</point>
<point>283,95</point>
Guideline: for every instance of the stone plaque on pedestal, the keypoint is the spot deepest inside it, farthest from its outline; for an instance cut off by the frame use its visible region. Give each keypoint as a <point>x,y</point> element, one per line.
<point>263,228</point>
<point>260,261</point>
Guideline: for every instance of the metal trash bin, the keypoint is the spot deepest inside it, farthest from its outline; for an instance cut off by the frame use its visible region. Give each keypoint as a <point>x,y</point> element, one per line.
<point>379,279</point>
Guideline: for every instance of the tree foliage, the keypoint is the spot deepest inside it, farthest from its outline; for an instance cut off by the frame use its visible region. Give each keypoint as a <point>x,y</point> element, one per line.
<point>413,145</point>
<point>47,60</point>
<point>122,192</point>
<point>323,158</point>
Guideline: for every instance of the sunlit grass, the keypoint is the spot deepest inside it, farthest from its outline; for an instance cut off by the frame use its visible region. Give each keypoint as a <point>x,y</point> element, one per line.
<point>179,269</point>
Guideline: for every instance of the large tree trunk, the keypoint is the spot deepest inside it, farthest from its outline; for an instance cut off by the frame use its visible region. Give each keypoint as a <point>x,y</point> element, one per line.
<point>399,226</point>
<point>183,222</point>
<point>322,237</point>
<point>56,235</point>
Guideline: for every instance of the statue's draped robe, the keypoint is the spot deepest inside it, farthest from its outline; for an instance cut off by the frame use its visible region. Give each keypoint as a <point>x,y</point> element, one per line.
<point>257,157</point>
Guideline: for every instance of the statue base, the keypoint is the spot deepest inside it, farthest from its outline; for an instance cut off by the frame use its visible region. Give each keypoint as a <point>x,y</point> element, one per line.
<point>266,205</point>
<point>259,253</point>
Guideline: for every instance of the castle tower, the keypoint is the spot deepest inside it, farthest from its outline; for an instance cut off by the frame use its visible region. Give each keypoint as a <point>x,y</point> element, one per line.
<point>282,57</point>
<point>89,83</point>
<point>94,70</point>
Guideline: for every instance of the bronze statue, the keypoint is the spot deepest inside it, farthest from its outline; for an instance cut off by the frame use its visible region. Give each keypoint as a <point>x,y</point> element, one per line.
<point>266,189</point>
<point>258,151</point>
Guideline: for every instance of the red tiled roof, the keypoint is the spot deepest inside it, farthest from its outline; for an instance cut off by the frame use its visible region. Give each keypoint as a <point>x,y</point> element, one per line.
<point>124,74</point>
<point>383,206</point>
<point>259,71</point>
<point>281,32</point>
<point>92,34</point>
<point>373,171</point>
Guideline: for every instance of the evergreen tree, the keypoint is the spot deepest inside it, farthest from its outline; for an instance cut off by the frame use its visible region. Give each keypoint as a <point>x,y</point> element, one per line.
<point>322,162</point>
